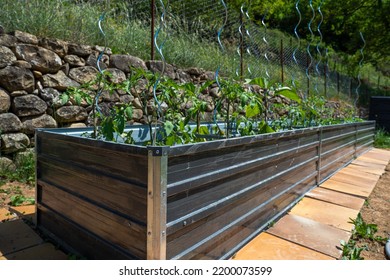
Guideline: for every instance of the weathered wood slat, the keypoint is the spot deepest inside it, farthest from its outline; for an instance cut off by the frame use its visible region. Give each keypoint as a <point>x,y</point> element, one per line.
<point>128,234</point>
<point>98,187</point>
<point>76,240</point>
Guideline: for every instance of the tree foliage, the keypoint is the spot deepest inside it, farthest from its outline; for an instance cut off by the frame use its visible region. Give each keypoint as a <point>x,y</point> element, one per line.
<point>341,27</point>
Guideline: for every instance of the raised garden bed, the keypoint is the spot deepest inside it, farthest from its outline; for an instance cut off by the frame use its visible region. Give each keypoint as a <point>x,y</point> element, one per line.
<point>106,200</point>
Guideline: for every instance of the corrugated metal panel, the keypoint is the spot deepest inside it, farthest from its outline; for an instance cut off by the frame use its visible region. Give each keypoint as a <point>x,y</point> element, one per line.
<point>221,194</point>
<point>96,188</point>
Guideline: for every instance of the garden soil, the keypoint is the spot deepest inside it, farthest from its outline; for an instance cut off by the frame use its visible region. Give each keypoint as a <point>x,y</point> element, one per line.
<point>375,211</point>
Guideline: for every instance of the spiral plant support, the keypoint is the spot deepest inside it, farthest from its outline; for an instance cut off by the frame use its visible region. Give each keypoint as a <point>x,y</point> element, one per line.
<point>241,42</point>
<point>223,52</point>
<point>318,46</point>
<point>298,39</point>
<point>159,49</point>
<point>267,45</point>
<point>360,67</point>
<point>98,61</point>
<point>248,50</point>
<point>310,57</point>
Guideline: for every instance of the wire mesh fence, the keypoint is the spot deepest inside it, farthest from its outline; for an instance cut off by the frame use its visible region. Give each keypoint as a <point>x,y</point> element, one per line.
<point>249,50</point>
<point>201,33</point>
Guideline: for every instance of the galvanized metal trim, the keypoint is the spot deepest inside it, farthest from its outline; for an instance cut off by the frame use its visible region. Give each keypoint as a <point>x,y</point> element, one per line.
<point>236,168</point>
<point>200,212</point>
<point>336,137</point>
<point>241,218</point>
<point>338,148</point>
<point>157,205</point>
<point>320,140</point>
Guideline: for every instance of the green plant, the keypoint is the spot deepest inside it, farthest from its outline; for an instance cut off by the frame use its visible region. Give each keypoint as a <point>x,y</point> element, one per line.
<point>17,200</point>
<point>350,251</point>
<point>24,170</point>
<point>365,230</point>
<point>382,139</point>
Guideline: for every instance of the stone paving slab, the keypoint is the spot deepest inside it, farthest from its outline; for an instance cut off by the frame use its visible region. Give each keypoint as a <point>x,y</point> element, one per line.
<point>17,235</point>
<point>311,234</point>
<point>325,213</point>
<point>45,251</point>
<point>269,247</point>
<point>337,198</point>
<point>5,215</point>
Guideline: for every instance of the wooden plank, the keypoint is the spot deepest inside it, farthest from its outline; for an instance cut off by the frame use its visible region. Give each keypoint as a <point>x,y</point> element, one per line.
<point>369,164</point>
<point>99,156</point>
<point>325,213</point>
<point>355,180</point>
<point>25,212</point>
<point>76,240</point>
<point>45,251</point>
<point>337,198</point>
<point>380,152</point>
<point>362,175</point>
<point>366,169</point>
<point>101,188</point>
<point>348,188</point>
<point>16,236</point>
<point>109,226</point>
<point>371,159</point>
<point>269,247</point>
<point>311,234</point>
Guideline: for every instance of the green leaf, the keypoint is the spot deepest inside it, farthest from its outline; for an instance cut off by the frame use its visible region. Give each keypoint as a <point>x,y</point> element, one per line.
<point>168,127</point>
<point>129,112</point>
<point>203,130</point>
<point>252,110</point>
<point>64,99</point>
<point>261,82</point>
<point>289,93</point>
<point>77,98</point>
<point>108,129</point>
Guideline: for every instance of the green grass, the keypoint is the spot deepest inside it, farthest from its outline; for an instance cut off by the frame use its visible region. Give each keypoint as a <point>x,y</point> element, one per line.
<point>382,139</point>
<point>24,172</point>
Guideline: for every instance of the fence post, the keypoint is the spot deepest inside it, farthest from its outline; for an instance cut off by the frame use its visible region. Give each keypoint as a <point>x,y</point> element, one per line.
<point>157,203</point>
<point>319,153</point>
<point>152,12</point>
<point>282,60</point>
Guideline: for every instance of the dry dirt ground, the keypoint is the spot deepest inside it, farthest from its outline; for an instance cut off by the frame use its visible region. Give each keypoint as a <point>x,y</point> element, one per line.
<point>375,211</point>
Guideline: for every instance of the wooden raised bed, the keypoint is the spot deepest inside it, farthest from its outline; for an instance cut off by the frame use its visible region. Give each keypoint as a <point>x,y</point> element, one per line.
<point>201,201</point>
